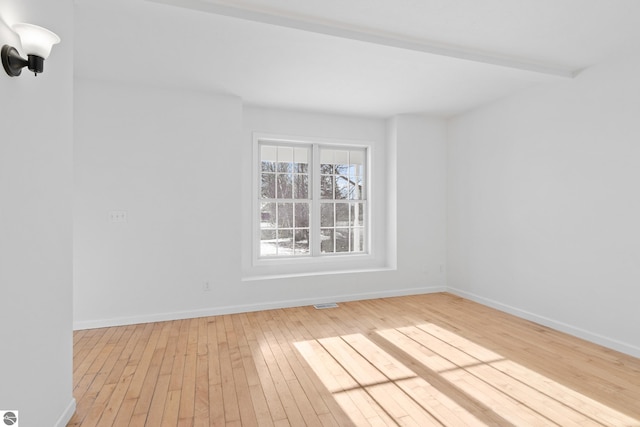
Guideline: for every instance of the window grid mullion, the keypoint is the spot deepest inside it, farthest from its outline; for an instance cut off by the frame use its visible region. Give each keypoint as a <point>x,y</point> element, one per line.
<point>314,232</point>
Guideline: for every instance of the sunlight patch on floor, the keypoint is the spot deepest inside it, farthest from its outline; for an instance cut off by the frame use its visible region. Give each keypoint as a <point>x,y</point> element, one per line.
<point>374,388</point>
<point>516,393</point>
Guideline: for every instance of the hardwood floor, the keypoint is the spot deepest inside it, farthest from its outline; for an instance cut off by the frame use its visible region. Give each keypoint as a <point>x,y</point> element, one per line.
<point>421,360</point>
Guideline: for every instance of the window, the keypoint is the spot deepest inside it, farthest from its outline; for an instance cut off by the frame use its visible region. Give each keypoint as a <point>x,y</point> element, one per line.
<point>284,200</point>
<point>312,199</point>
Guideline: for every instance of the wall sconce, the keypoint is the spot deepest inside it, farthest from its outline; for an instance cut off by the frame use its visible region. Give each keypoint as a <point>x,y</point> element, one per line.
<point>36,43</point>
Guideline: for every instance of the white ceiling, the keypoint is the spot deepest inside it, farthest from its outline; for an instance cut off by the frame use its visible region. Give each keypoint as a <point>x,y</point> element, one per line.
<point>364,57</point>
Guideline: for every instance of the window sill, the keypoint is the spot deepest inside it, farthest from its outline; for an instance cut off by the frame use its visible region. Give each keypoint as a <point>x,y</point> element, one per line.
<point>254,278</point>
<point>338,258</point>
<point>278,268</point>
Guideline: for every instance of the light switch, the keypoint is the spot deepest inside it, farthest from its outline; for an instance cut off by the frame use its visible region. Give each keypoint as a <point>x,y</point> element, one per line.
<point>118,216</point>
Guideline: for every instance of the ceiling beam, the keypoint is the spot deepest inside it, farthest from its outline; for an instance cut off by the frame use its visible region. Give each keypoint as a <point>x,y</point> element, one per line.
<point>381,39</point>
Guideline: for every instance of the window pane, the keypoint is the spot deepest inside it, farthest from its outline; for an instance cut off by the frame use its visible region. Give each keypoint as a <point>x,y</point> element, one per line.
<point>326,187</point>
<point>342,214</point>
<point>285,159</point>
<point>301,186</point>
<point>341,169</point>
<point>302,215</point>
<point>301,167</point>
<point>285,215</point>
<point>326,169</point>
<point>357,215</point>
<point>301,246</point>
<point>268,158</point>
<point>285,167</point>
<point>342,239</point>
<point>268,242</point>
<point>356,157</point>
<point>326,156</point>
<point>357,239</point>
<point>340,157</point>
<point>342,187</point>
<point>356,160</point>
<point>326,215</point>
<point>301,160</point>
<point>268,186</point>
<point>326,240</point>
<point>359,187</point>
<point>268,166</point>
<point>268,215</point>
<point>268,235</point>
<point>285,186</point>
<point>285,242</point>
<point>354,191</point>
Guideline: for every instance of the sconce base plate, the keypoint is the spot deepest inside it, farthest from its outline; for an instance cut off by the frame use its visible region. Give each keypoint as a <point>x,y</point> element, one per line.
<point>12,61</point>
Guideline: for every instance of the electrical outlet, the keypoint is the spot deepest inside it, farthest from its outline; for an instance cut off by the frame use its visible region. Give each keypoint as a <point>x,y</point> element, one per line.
<point>206,287</point>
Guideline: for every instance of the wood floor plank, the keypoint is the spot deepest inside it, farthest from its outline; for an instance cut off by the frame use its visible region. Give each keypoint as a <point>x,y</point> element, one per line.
<point>258,398</point>
<point>94,413</point>
<point>177,369</point>
<point>265,379</point>
<point>143,401</point>
<point>187,398</point>
<point>201,403</point>
<point>216,405</point>
<point>90,364</point>
<point>85,347</point>
<point>235,341</point>
<point>421,360</point>
<point>279,370</point>
<point>229,396</point>
<point>314,402</point>
<point>156,409</point>
<point>171,409</point>
<point>90,385</point>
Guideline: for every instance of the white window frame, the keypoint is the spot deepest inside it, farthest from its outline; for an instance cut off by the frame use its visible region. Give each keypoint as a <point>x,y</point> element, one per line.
<point>315,255</point>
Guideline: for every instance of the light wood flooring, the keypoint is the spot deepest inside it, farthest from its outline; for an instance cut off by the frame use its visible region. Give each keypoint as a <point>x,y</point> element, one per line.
<point>421,360</point>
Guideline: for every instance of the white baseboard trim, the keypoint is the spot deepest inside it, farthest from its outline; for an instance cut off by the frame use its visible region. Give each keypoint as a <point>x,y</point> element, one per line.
<point>67,414</point>
<point>560,326</point>
<point>217,311</point>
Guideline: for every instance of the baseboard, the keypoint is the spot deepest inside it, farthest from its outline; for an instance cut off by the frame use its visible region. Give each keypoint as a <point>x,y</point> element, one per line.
<point>67,414</point>
<point>217,311</point>
<point>551,323</point>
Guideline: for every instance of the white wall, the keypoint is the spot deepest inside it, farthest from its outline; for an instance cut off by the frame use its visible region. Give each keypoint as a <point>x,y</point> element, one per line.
<point>168,159</point>
<point>421,192</point>
<point>177,163</point>
<point>543,204</point>
<point>36,223</point>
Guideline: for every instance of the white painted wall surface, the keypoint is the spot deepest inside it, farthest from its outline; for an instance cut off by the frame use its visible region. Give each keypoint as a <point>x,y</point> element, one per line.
<point>543,204</point>
<point>176,163</point>
<point>169,160</point>
<point>421,194</point>
<point>36,223</point>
